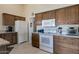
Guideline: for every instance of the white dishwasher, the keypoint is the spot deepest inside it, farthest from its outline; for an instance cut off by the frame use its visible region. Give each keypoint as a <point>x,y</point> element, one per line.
<point>46,42</point>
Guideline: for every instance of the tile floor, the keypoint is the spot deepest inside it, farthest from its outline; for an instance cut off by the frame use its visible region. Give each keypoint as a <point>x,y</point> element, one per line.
<point>26,48</point>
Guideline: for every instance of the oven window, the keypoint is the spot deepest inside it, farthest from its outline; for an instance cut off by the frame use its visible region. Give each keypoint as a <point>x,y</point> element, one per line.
<point>45,40</point>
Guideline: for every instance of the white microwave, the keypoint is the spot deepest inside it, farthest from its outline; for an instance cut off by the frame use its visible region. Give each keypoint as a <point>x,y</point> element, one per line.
<point>48,23</point>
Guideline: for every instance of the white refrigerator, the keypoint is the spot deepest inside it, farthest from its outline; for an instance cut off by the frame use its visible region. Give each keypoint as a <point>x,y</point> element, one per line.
<point>21,29</point>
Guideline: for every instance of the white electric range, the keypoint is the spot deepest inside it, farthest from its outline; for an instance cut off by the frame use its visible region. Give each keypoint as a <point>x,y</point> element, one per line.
<point>46,42</point>
<point>46,38</point>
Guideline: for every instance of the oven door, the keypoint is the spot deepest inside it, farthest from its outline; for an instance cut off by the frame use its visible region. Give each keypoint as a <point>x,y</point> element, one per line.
<point>46,40</point>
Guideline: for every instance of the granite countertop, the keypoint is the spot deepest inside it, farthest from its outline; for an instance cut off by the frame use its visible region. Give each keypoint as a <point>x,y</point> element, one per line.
<point>66,35</point>
<point>6,32</point>
<point>56,34</point>
<point>3,42</point>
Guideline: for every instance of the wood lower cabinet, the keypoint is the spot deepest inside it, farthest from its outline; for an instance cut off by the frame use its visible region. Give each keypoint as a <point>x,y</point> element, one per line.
<point>8,37</point>
<point>66,45</point>
<point>35,40</point>
<point>11,37</point>
<point>14,38</point>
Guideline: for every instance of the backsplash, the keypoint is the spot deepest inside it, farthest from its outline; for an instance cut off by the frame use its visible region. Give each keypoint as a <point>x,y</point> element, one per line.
<point>4,28</point>
<point>65,27</point>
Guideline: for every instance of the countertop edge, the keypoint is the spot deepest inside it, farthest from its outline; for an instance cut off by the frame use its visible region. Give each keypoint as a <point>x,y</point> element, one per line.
<point>65,35</point>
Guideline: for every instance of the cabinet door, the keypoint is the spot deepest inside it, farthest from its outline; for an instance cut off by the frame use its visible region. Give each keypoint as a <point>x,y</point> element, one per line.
<point>35,40</point>
<point>14,38</point>
<point>45,15</point>
<point>66,45</point>
<point>19,18</point>
<point>63,50</point>
<point>11,37</point>
<point>72,15</point>
<point>52,14</point>
<point>61,16</point>
<point>22,18</point>
<point>8,37</point>
<point>2,36</point>
<point>8,19</point>
<point>48,15</point>
<point>62,45</point>
<point>38,19</point>
<point>68,15</point>
<point>35,37</point>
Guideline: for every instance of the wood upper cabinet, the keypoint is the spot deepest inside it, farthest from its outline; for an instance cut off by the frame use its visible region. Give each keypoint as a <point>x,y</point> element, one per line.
<point>52,14</point>
<point>68,15</point>
<point>66,45</point>
<point>22,18</point>
<point>60,16</point>
<point>38,19</point>
<point>72,14</point>
<point>8,19</point>
<point>19,18</point>
<point>45,15</point>
<point>48,15</point>
<point>35,40</point>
